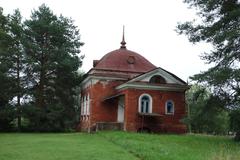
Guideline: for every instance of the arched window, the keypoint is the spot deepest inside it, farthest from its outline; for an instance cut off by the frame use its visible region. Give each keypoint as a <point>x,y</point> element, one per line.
<point>88,104</point>
<point>169,107</point>
<point>82,105</point>
<point>157,79</point>
<point>145,104</point>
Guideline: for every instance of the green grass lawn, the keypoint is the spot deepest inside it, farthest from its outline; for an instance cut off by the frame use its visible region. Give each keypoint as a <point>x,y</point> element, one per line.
<point>116,146</point>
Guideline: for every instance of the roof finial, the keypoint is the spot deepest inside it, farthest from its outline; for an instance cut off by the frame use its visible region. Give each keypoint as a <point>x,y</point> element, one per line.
<point>123,43</point>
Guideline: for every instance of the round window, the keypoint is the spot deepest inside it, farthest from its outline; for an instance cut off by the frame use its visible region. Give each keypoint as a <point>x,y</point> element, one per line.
<point>131,60</point>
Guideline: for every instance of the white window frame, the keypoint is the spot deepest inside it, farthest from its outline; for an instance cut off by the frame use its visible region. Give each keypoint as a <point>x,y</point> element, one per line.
<point>140,102</point>
<point>82,105</point>
<point>88,104</point>
<point>173,105</point>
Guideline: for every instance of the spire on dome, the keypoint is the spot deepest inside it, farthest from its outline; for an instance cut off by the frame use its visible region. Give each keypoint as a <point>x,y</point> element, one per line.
<point>123,43</point>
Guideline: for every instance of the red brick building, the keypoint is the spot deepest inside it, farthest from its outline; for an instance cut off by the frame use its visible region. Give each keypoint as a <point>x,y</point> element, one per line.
<point>124,90</point>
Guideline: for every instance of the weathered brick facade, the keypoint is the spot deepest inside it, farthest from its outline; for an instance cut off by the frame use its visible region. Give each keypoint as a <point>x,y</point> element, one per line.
<point>113,91</point>
<point>162,123</point>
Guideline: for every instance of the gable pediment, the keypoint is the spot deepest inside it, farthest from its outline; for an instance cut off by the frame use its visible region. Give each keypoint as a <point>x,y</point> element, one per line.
<point>170,82</point>
<point>167,76</point>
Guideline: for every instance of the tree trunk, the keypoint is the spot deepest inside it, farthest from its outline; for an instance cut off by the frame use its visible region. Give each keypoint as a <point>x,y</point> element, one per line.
<point>40,94</point>
<point>41,87</point>
<point>19,122</point>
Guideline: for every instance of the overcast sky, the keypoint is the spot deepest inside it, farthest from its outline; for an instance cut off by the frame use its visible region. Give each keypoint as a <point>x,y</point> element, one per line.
<point>149,29</point>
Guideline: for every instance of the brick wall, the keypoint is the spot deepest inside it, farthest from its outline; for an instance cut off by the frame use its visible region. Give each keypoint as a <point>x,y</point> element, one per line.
<point>101,111</point>
<point>165,123</point>
<point>106,111</point>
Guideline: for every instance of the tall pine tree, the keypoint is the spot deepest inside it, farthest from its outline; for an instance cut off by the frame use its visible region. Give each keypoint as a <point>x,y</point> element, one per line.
<point>17,59</point>
<point>52,45</point>
<point>221,27</point>
<point>11,64</point>
<point>6,83</point>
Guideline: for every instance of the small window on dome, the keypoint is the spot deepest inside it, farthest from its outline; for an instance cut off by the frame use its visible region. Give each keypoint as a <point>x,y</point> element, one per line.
<point>157,79</point>
<point>131,60</point>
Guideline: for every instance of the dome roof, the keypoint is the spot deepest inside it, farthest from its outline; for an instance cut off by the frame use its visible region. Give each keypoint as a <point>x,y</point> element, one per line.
<point>124,60</point>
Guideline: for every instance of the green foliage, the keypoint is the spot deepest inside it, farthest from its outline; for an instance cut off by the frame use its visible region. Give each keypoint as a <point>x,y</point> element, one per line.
<point>12,60</point>
<point>39,60</point>
<point>207,113</point>
<point>7,89</point>
<point>17,58</point>
<point>51,119</point>
<point>7,116</point>
<point>220,25</point>
<point>235,123</point>
<point>7,83</point>
<point>52,47</point>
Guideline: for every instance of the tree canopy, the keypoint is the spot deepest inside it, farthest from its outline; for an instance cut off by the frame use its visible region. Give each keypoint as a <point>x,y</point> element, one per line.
<point>220,26</point>
<point>39,60</point>
<point>206,114</point>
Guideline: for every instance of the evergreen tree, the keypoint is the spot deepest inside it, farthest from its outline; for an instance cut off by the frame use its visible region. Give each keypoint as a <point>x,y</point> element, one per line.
<point>17,59</point>
<point>4,45</point>
<point>220,26</point>
<point>10,67</point>
<point>52,46</point>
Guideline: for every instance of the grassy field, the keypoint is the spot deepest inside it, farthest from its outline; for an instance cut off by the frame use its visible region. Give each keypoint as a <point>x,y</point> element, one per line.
<point>116,146</point>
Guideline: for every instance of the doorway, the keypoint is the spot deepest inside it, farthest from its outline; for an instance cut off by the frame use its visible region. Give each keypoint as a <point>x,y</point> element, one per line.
<point>121,107</point>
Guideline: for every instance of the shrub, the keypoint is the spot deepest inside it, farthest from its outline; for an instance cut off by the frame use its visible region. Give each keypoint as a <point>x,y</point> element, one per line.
<point>7,116</point>
<point>54,118</point>
<point>235,123</point>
